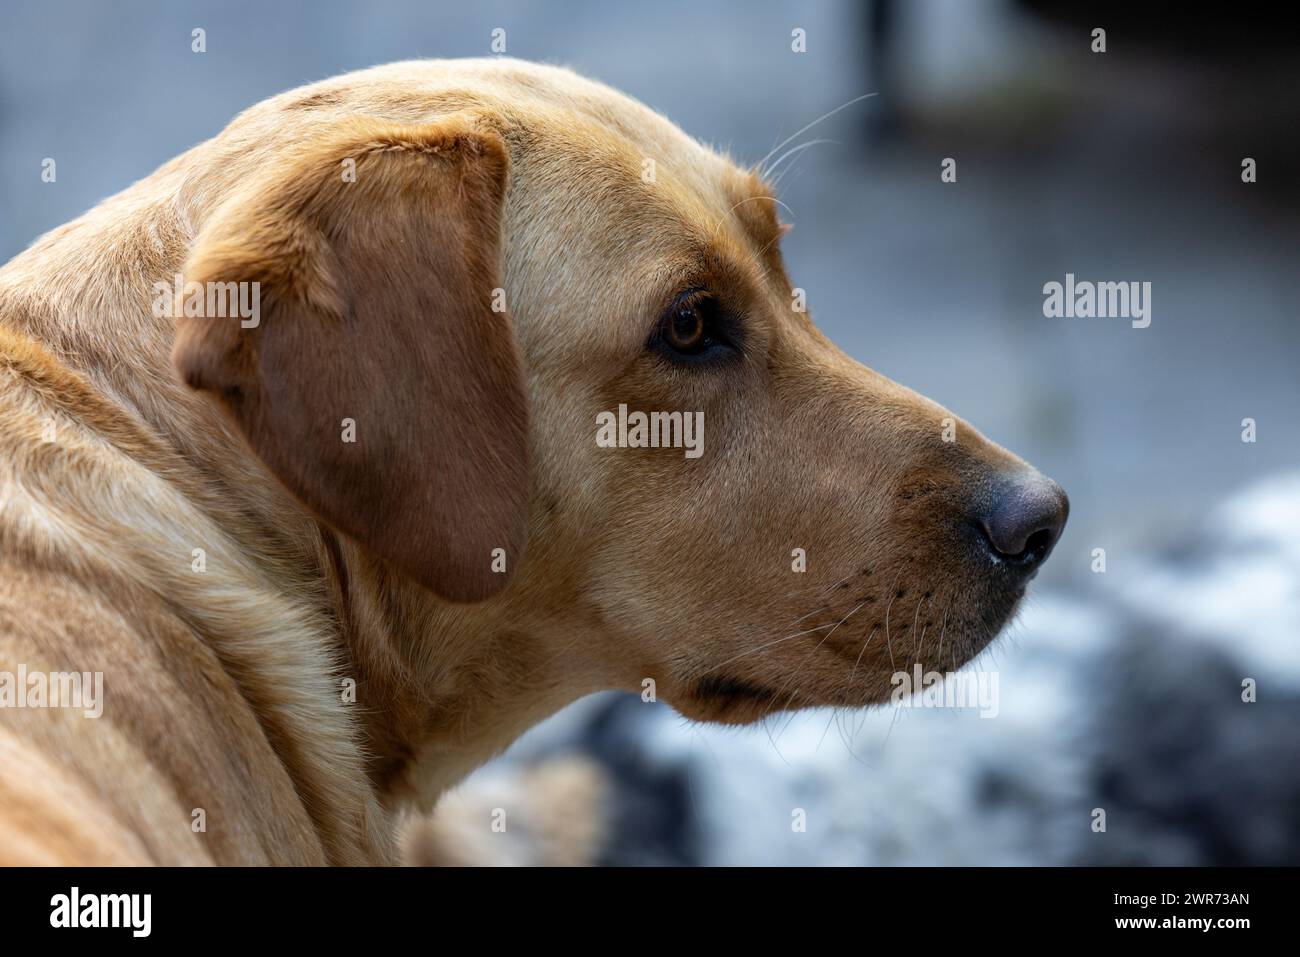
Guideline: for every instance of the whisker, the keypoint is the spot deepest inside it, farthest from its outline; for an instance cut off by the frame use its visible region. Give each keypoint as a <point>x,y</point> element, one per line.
<point>837,584</point>
<point>825,637</point>
<point>752,651</point>
<point>915,618</point>
<point>826,730</point>
<point>772,199</point>
<point>853,674</point>
<point>789,720</point>
<point>942,632</point>
<point>893,593</point>
<point>800,132</point>
<point>793,151</point>
<point>809,615</point>
<point>772,741</point>
<point>920,646</point>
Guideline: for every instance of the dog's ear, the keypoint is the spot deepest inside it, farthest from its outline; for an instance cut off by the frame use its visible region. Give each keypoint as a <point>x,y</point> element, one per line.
<point>379,379</point>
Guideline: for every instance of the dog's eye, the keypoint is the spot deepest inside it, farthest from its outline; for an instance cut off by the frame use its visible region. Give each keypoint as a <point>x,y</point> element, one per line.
<point>694,329</point>
<point>684,330</point>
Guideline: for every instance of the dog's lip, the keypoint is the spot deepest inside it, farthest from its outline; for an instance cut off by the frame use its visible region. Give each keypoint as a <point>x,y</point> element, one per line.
<point>726,687</point>
<point>731,700</point>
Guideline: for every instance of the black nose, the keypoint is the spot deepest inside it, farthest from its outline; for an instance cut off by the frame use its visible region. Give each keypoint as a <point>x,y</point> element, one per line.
<point>1026,519</point>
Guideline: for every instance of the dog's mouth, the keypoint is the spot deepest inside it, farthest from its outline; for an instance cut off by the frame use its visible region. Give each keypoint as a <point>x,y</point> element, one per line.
<point>849,653</point>
<point>935,596</point>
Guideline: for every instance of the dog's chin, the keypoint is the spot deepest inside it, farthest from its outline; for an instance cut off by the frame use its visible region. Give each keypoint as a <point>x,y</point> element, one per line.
<point>722,698</point>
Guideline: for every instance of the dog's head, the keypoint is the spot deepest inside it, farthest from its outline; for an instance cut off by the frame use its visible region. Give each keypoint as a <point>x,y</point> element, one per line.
<point>493,273</point>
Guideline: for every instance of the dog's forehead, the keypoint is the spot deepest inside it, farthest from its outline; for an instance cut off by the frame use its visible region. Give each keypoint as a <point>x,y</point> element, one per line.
<point>657,179</point>
<point>568,134</point>
<point>601,138</point>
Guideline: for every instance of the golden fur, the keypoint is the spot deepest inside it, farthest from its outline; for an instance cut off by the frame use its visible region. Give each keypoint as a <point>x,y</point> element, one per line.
<point>324,562</point>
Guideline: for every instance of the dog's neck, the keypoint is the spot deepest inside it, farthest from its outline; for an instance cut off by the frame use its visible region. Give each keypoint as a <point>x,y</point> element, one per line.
<point>442,688</point>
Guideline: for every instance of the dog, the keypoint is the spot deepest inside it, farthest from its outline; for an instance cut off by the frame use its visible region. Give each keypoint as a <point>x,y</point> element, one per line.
<point>338,534</point>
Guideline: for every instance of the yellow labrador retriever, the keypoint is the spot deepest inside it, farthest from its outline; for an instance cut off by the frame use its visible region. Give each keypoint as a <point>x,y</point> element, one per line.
<point>332,457</point>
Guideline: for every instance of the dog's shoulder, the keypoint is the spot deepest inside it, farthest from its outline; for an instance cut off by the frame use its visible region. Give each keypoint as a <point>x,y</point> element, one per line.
<point>218,714</point>
<point>115,732</point>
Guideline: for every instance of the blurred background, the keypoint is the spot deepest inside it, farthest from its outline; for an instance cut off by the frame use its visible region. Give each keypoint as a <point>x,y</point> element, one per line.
<point>1119,690</point>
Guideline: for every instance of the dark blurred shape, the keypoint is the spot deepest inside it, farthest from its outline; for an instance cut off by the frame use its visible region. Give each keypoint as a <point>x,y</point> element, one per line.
<point>1187,772</point>
<point>882,46</point>
<point>1202,85</point>
<point>651,821</point>
<point>1226,31</point>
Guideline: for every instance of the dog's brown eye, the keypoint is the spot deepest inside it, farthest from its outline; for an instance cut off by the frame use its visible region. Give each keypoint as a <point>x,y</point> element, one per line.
<point>685,328</point>
<point>695,329</point>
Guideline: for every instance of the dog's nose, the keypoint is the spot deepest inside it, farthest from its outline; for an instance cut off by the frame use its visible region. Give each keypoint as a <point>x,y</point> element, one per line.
<point>1026,519</point>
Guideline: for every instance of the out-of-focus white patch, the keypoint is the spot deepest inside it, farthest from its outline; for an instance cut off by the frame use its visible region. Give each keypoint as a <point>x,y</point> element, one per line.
<point>1239,585</point>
